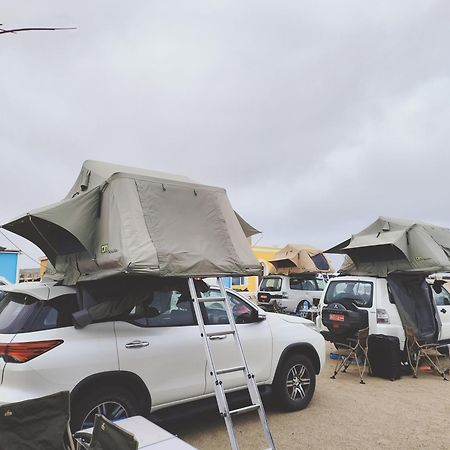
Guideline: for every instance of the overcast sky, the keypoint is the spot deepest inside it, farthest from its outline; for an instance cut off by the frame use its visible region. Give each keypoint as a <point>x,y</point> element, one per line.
<point>316,116</point>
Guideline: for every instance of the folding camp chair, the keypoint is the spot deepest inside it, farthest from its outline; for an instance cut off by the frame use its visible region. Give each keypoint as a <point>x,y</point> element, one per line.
<point>105,436</point>
<point>37,424</point>
<point>426,352</point>
<point>354,351</point>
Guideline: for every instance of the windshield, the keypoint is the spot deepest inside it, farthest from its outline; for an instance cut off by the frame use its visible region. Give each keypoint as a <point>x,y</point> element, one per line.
<point>360,292</point>
<point>270,284</point>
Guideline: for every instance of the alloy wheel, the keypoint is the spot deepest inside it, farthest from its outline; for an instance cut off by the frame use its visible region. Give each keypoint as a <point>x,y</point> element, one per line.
<point>111,410</point>
<point>298,382</point>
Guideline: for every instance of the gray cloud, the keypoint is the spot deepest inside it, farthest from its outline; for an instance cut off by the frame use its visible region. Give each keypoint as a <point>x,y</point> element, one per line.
<point>316,116</point>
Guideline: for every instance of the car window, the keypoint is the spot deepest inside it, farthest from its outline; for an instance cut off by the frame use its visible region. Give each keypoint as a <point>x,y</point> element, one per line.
<point>302,284</point>
<point>441,299</point>
<point>20,313</point>
<point>320,284</point>
<point>214,312</point>
<point>359,292</point>
<point>271,284</point>
<point>164,308</point>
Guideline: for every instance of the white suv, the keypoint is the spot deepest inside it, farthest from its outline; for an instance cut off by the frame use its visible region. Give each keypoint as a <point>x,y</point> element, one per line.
<point>376,298</point>
<point>293,293</point>
<point>149,358</point>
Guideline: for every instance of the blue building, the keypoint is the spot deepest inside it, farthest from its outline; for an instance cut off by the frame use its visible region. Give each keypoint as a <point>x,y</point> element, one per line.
<point>9,265</point>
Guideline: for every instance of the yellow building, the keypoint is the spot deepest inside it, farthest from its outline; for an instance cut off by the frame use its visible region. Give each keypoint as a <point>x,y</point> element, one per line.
<point>263,254</point>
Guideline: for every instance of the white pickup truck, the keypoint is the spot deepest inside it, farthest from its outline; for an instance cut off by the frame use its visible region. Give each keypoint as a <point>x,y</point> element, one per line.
<point>386,299</point>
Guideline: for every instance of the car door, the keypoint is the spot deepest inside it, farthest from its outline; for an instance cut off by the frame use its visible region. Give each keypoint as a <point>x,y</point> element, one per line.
<point>160,342</point>
<point>255,336</point>
<point>442,301</point>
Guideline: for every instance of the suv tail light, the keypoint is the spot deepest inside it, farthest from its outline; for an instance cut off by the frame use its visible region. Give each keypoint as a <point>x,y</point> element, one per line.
<point>20,352</point>
<point>382,316</point>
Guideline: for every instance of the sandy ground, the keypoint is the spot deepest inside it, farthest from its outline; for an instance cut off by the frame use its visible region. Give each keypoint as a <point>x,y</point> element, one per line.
<point>343,414</point>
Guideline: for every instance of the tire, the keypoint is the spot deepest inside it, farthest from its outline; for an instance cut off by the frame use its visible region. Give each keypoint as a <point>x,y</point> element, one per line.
<point>288,389</point>
<point>300,310</point>
<point>113,402</point>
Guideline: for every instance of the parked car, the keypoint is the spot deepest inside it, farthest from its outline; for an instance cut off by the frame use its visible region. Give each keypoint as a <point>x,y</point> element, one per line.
<point>373,305</point>
<point>151,357</point>
<point>293,293</point>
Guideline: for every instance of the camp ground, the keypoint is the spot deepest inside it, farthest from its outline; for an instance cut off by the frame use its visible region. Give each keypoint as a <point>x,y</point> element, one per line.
<point>125,294</point>
<point>132,321</point>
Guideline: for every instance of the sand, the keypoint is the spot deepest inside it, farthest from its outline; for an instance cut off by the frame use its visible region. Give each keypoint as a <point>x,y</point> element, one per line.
<point>405,414</point>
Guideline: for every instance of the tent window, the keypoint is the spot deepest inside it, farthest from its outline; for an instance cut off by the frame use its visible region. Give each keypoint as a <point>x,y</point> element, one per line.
<point>320,262</point>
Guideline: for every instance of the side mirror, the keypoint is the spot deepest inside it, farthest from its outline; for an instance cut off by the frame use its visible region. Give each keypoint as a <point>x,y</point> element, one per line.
<point>260,315</point>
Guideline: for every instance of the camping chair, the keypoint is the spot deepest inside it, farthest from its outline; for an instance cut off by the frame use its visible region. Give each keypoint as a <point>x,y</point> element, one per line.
<point>105,436</point>
<point>354,351</point>
<point>37,424</point>
<point>418,351</point>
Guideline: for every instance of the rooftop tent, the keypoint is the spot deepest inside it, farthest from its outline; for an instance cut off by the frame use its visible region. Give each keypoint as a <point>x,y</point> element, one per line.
<point>395,245</point>
<point>295,259</point>
<point>140,224</point>
<point>95,173</point>
<point>59,229</point>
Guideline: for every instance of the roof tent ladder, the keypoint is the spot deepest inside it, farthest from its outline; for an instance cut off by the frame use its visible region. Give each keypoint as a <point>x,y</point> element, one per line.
<point>219,389</point>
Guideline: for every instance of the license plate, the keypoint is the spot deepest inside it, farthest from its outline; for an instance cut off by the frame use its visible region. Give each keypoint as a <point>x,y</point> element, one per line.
<point>264,298</point>
<point>337,317</point>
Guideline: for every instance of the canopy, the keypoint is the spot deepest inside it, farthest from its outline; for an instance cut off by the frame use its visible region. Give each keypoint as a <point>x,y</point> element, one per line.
<point>396,245</point>
<point>139,223</point>
<point>296,259</point>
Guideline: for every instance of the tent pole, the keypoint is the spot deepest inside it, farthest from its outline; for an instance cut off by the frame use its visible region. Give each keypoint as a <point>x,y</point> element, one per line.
<point>42,236</point>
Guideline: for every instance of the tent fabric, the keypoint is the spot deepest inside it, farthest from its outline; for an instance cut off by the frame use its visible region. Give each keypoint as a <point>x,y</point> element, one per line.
<point>412,296</point>
<point>396,245</point>
<point>95,173</point>
<point>296,259</point>
<point>140,224</point>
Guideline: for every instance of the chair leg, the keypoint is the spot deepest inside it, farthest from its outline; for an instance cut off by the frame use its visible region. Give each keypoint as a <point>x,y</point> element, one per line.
<point>413,367</point>
<point>340,363</point>
<point>435,365</point>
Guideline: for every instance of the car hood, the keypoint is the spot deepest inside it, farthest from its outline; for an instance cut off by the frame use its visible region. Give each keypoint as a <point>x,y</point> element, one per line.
<point>290,319</point>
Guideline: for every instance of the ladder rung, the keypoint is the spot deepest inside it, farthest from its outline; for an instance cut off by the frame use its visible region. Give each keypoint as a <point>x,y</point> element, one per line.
<point>231,369</point>
<point>220,333</point>
<point>243,410</point>
<point>211,299</point>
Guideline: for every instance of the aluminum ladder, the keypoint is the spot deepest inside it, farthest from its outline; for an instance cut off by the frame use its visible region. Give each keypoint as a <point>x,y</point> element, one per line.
<point>219,389</point>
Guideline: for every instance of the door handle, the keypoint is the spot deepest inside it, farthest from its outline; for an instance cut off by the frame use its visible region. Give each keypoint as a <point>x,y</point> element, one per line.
<point>217,338</point>
<point>443,311</point>
<point>137,344</point>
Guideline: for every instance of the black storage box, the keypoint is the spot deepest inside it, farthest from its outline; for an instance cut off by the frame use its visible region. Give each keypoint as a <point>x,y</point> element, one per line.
<point>384,356</point>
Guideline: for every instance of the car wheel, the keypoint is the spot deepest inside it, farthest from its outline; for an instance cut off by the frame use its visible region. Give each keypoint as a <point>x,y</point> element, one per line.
<point>295,383</point>
<point>303,308</point>
<point>114,403</point>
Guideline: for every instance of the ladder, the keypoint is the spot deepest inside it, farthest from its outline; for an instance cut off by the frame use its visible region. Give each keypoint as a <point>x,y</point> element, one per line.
<point>256,403</point>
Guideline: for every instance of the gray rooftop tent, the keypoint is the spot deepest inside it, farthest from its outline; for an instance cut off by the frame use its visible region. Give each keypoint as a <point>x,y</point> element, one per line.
<point>405,252</point>
<point>121,220</point>
<point>396,245</point>
<point>296,259</point>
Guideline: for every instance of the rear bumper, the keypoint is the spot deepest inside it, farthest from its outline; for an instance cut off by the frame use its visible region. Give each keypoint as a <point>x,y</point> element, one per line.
<point>21,383</point>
